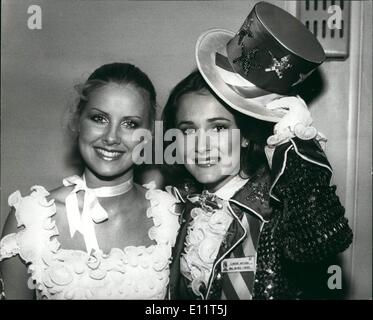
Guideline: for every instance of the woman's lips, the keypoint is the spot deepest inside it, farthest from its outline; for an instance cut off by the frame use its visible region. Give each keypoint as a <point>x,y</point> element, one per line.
<point>206,162</point>
<point>108,155</point>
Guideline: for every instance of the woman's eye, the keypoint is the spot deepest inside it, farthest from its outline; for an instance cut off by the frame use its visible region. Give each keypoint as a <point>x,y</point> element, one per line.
<point>99,118</point>
<point>129,124</point>
<point>188,131</point>
<point>219,128</point>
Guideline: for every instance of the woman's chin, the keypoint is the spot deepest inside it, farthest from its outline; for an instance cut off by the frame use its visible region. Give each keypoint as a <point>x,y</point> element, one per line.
<point>213,180</point>
<point>209,179</point>
<point>109,173</point>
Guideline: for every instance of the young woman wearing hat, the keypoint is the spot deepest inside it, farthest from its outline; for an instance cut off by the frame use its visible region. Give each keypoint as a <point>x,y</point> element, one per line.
<point>267,225</point>
<point>100,235</point>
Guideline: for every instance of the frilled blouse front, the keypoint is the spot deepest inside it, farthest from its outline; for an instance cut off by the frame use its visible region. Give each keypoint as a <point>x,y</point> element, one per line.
<point>205,235</point>
<point>136,272</point>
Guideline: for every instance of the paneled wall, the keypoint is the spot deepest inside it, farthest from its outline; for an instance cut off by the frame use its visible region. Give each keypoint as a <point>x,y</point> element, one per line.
<point>342,110</point>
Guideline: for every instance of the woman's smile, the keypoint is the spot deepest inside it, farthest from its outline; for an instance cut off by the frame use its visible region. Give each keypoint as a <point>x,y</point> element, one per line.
<point>108,155</point>
<point>207,162</point>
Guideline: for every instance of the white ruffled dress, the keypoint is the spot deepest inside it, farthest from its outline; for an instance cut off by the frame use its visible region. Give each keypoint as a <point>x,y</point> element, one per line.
<point>135,272</point>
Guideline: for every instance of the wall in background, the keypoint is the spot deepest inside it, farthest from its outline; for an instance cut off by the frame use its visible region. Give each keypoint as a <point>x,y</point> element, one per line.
<point>40,67</point>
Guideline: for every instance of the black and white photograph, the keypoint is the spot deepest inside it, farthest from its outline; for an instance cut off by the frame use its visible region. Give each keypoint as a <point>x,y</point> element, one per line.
<point>186,150</point>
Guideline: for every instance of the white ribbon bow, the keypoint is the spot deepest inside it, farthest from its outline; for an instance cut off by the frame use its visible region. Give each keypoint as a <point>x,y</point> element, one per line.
<point>92,210</point>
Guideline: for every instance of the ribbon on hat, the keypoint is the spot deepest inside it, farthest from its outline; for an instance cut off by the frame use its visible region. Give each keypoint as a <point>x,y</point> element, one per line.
<point>92,210</point>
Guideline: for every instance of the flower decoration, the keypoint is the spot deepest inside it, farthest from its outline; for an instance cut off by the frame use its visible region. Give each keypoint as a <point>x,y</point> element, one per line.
<point>279,66</point>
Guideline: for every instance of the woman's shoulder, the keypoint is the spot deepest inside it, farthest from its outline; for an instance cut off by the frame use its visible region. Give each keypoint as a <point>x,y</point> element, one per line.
<point>38,194</point>
<point>60,193</point>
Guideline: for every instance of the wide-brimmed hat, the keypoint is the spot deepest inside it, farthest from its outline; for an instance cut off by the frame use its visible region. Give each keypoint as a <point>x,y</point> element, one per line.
<point>267,58</point>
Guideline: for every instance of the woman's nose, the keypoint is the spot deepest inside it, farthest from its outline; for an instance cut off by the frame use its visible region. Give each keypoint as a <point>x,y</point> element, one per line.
<point>112,136</point>
<point>202,141</point>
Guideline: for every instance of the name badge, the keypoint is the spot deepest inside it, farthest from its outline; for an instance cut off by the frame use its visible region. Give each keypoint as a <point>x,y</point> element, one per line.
<point>238,264</point>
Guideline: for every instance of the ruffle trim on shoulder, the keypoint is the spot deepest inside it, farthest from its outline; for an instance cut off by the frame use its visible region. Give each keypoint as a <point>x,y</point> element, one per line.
<point>9,246</point>
<point>32,210</point>
<point>34,241</point>
<point>165,218</point>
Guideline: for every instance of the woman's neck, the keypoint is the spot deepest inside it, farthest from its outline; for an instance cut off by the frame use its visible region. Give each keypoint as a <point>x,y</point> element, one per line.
<point>95,181</point>
<point>216,186</point>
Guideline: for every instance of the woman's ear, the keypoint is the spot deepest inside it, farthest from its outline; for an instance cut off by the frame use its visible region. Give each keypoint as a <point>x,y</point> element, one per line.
<point>244,142</point>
